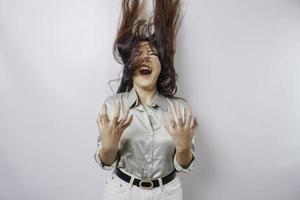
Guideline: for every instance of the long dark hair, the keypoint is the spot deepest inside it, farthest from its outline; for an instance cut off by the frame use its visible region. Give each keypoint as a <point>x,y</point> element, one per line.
<point>160,31</point>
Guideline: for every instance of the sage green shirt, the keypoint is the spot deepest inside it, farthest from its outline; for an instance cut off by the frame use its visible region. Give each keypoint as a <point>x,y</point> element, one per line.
<point>146,149</point>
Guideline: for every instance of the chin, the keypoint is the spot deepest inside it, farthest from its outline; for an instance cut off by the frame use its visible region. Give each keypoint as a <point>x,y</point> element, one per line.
<point>145,84</point>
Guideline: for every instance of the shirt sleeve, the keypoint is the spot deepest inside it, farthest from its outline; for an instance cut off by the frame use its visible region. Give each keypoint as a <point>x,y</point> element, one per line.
<point>191,166</point>
<point>99,161</point>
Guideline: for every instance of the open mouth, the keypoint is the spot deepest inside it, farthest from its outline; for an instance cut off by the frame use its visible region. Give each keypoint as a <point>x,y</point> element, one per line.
<point>145,70</point>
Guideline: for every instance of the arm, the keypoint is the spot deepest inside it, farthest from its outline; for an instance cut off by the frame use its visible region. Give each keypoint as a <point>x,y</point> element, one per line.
<point>110,132</point>
<point>182,131</point>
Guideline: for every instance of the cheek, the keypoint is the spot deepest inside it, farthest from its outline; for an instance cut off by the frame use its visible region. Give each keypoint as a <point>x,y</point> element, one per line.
<point>159,69</point>
<point>157,66</point>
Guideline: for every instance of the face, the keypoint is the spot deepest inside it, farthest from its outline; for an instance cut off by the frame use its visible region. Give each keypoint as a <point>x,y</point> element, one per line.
<point>148,67</point>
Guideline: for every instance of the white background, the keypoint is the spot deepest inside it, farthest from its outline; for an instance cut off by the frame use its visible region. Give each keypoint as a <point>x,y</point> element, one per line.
<point>238,65</point>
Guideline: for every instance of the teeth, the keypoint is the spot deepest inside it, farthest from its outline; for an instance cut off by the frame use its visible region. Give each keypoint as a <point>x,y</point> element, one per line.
<point>145,68</point>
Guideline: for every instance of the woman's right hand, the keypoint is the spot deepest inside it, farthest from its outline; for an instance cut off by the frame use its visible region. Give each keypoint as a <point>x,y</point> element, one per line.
<point>111,129</point>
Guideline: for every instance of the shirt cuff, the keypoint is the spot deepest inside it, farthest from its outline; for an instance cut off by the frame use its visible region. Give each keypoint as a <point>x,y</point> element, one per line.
<point>179,168</point>
<point>101,164</point>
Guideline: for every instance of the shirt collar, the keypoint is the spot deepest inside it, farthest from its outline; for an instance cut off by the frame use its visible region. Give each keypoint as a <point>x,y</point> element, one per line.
<point>159,99</point>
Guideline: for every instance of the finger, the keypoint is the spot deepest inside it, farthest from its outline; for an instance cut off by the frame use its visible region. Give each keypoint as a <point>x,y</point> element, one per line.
<point>170,124</point>
<point>167,127</point>
<point>171,116</point>
<point>117,112</point>
<point>104,114</point>
<point>99,120</point>
<point>194,126</point>
<point>192,123</point>
<point>179,115</point>
<point>188,118</point>
<point>125,116</point>
<point>128,122</point>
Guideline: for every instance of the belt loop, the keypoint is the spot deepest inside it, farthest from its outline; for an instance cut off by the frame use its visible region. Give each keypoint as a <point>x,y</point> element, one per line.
<point>130,184</point>
<point>161,184</point>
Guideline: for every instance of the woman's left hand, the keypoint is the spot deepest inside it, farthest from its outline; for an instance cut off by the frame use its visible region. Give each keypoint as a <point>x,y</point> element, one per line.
<point>182,130</point>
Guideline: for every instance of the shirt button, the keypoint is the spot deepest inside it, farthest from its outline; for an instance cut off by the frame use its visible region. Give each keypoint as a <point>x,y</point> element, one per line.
<point>147,158</point>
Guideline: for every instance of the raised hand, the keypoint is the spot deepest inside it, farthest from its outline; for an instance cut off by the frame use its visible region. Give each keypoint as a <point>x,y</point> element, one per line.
<point>111,129</point>
<point>181,131</point>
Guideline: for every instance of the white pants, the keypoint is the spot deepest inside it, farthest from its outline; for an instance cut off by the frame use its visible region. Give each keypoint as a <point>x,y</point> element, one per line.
<point>117,189</point>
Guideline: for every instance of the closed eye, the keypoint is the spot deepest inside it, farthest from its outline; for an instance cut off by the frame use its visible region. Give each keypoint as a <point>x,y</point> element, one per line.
<point>153,53</point>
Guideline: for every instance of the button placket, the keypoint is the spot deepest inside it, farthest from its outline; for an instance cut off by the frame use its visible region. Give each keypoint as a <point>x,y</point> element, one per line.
<point>147,158</point>
<point>147,169</point>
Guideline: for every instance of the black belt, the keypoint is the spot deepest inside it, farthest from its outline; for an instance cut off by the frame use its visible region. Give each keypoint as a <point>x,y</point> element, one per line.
<point>146,184</point>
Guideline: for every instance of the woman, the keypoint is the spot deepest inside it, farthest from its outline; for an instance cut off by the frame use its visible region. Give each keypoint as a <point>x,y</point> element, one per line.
<point>146,134</point>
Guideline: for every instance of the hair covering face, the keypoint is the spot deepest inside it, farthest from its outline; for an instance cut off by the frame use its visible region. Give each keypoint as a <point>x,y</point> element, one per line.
<point>159,31</point>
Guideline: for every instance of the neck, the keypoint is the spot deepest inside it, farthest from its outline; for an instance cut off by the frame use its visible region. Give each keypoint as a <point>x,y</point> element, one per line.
<point>145,95</point>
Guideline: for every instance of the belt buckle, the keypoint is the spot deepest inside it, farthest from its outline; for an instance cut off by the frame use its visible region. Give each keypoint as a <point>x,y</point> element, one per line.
<point>146,187</point>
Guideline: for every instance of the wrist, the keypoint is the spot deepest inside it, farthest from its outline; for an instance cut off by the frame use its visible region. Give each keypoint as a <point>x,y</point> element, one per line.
<point>183,150</point>
<point>108,156</point>
<point>184,158</point>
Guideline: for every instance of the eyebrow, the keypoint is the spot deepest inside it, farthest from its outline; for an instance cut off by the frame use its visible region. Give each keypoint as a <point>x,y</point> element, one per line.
<point>151,50</point>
